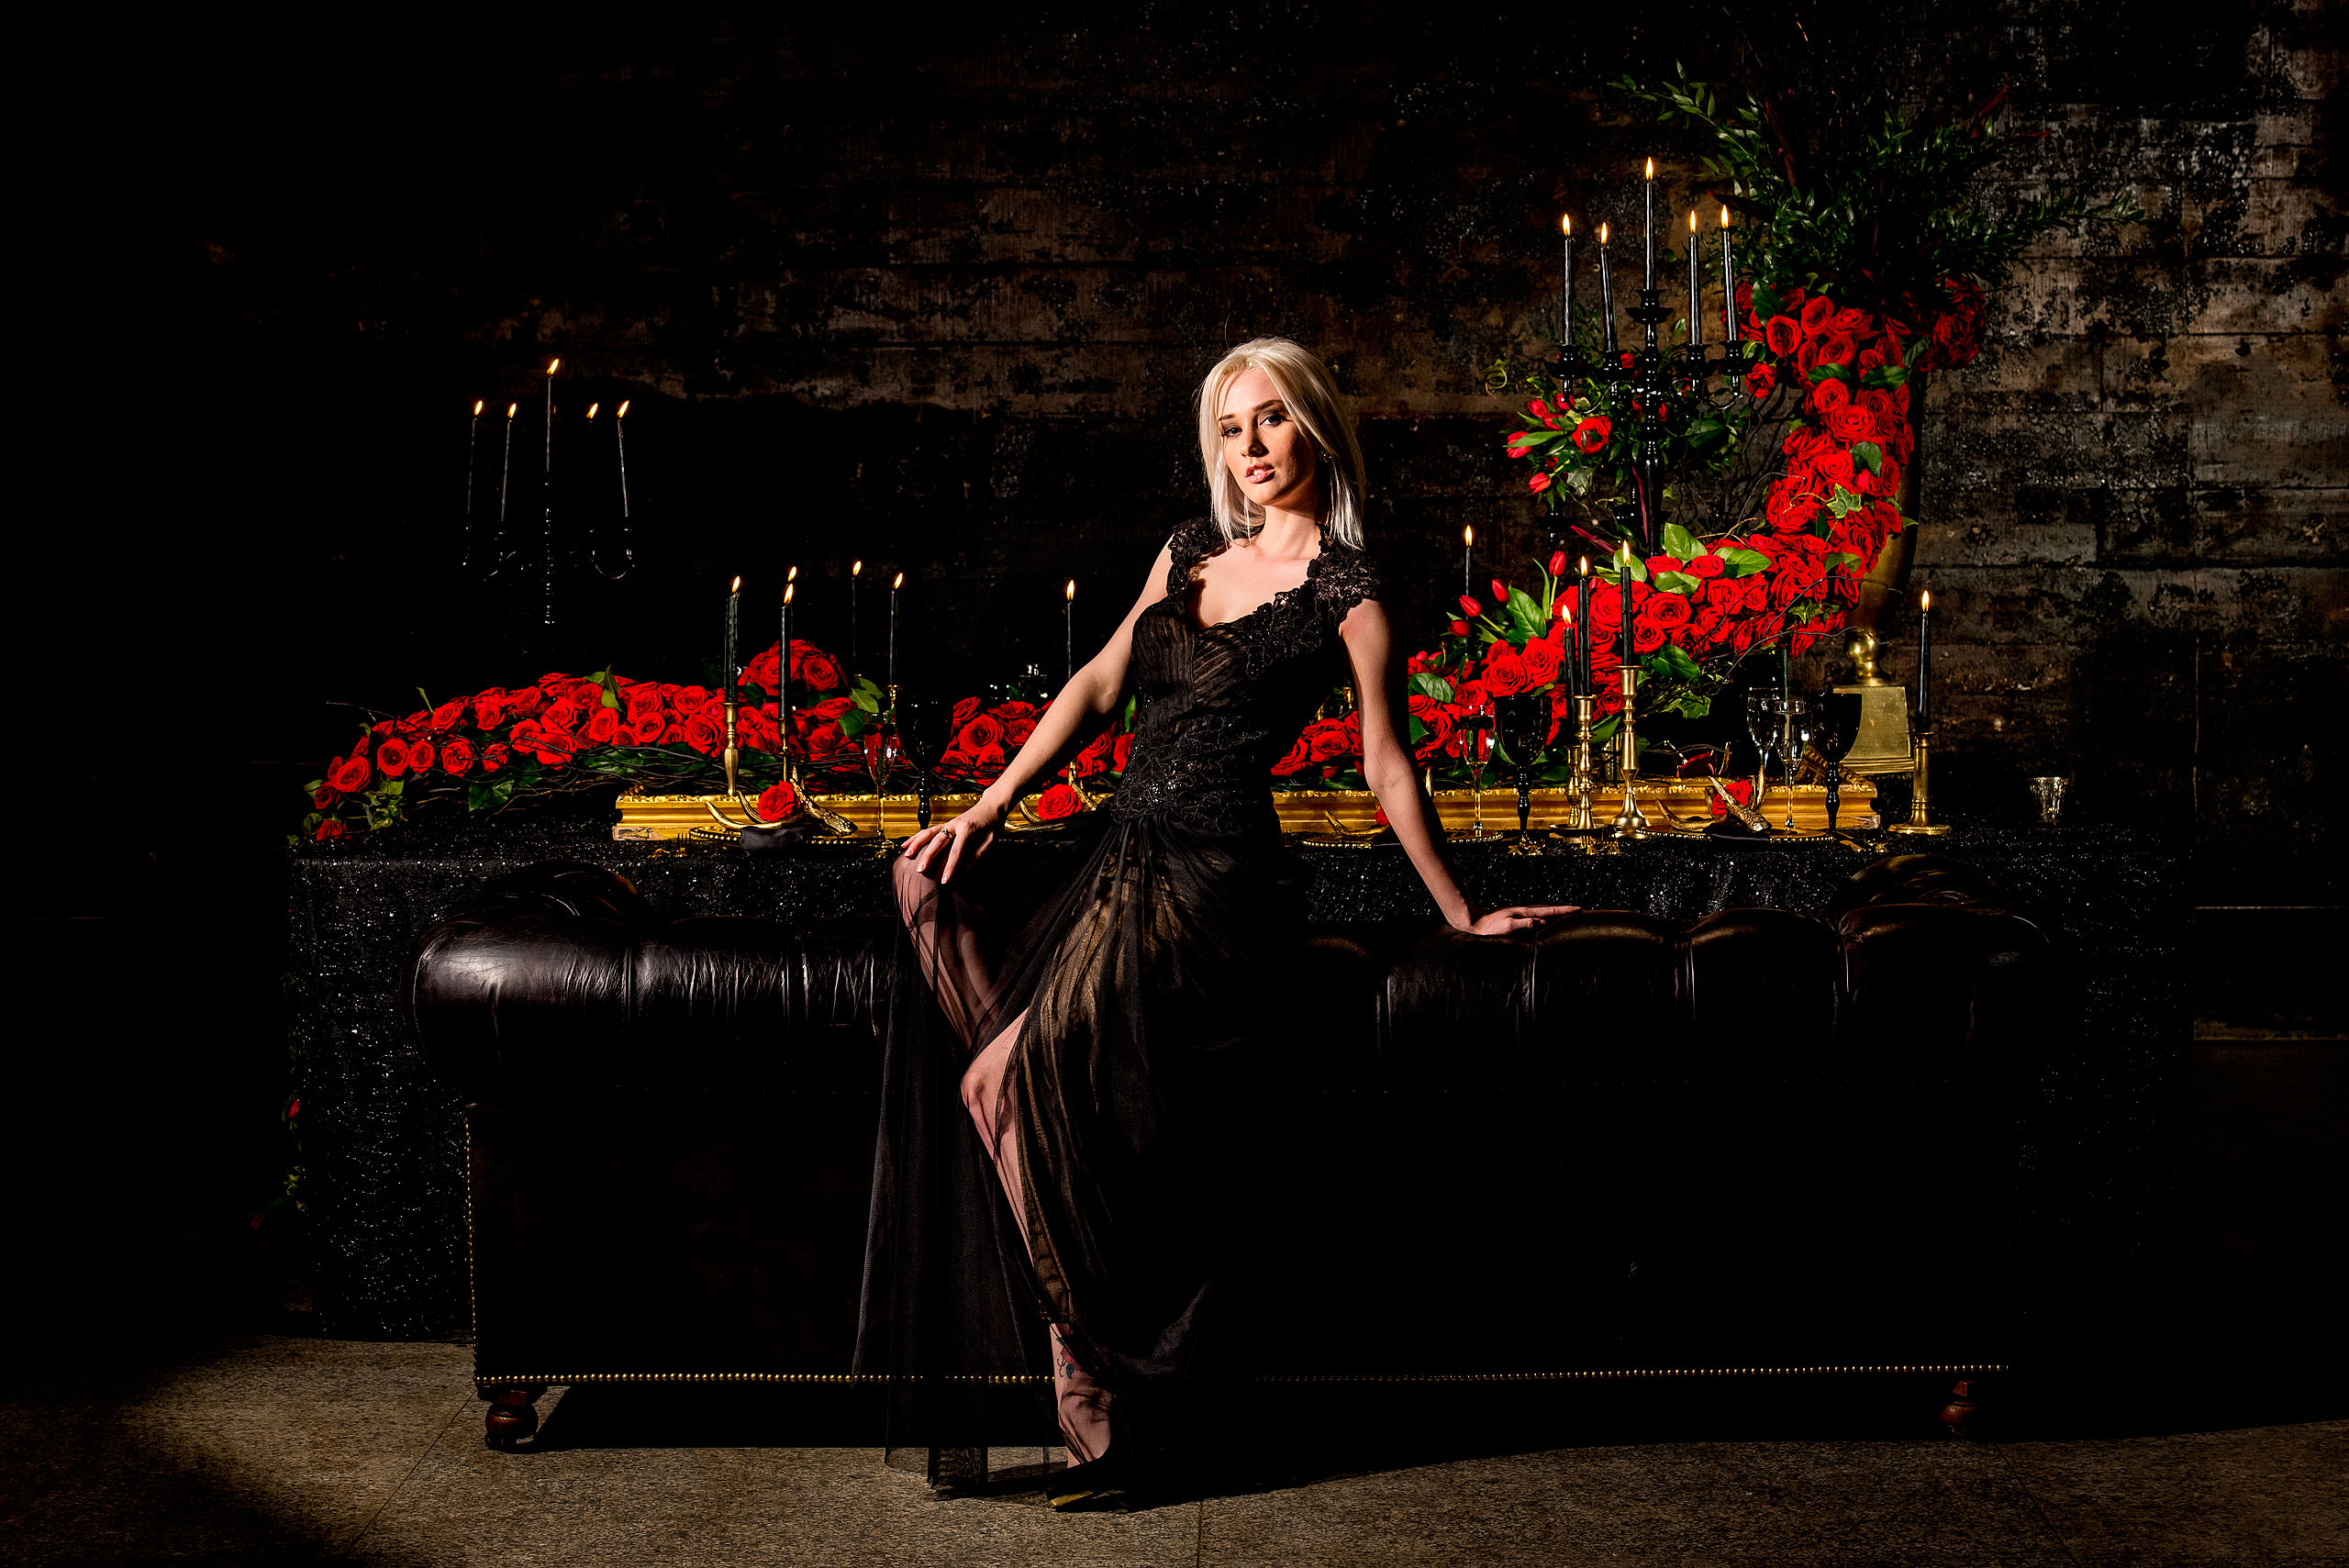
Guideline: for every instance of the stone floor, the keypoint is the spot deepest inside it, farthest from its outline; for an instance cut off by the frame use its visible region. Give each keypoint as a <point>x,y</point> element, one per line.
<point>257,1449</point>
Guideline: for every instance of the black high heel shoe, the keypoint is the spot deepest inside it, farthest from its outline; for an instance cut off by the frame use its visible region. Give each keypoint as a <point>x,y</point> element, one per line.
<point>1096,1483</point>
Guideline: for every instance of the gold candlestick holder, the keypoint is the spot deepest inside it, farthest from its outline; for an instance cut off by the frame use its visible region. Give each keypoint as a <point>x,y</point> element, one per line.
<point>1581,828</point>
<point>732,756</point>
<point>1921,750</point>
<point>1631,822</point>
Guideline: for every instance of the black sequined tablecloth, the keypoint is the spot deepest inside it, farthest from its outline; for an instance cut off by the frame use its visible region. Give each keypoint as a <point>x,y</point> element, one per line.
<point>384,1141</point>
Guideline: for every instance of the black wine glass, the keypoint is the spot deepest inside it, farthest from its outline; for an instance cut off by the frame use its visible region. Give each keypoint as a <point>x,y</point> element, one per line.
<point>1837,727</point>
<point>1524,727</point>
<point>925,725</point>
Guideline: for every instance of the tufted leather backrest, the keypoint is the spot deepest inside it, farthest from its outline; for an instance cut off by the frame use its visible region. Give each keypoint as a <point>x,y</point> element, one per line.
<point>558,984</point>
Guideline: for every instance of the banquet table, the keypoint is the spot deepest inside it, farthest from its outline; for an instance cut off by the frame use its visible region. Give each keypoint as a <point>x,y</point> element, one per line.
<point>383,1141</point>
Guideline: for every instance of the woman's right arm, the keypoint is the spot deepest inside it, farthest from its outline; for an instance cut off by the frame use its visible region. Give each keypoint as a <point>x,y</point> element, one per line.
<point>1091,695</point>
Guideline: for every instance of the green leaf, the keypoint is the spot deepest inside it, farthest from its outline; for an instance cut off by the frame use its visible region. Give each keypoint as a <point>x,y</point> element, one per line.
<point>1828,373</point>
<point>1679,582</point>
<point>867,698</point>
<point>1841,503</point>
<point>1524,613</point>
<point>856,721</point>
<point>1423,683</point>
<point>1868,455</point>
<point>1743,562</point>
<point>1604,730</point>
<point>1679,543</point>
<point>1837,558</point>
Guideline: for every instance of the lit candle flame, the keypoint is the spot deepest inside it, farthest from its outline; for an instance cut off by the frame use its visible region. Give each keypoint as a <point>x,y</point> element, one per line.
<point>1468,536</point>
<point>477,408</point>
<point>857,569</point>
<point>1650,169</point>
<point>1692,220</point>
<point>1602,237</point>
<point>792,576</point>
<point>788,590</point>
<point>553,365</point>
<point>1927,602</point>
<point>509,410</point>
<point>1567,225</point>
<point>897,582</point>
<point>621,412</point>
<point>1069,592</point>
<point>1724,216</point>
<point>1585,567</point>
<point>591,409</point>
<point>736,587</point>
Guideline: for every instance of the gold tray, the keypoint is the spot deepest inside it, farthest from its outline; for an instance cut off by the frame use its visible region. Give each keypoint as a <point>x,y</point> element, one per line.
<point>1669,801</point>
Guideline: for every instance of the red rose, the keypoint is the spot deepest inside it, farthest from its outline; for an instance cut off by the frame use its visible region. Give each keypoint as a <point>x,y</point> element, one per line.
<point>524,702</point>
<point>1850,423</point>
<point>1606,609</point>
<point>1538,483</point>
<point>333,828</point>
<point>1829,397</point>
<point>1817,314</point>
<point>419,755</point>
<point>1661,564</point>
<point>489,712</point>
<point>1838,348</point>
<point>778,800</point>
<point>987,762</point>
<point>647,727</point>
<point>1592,434</point>
<point>1760,382</point>
<point>1061,800</point>
<point>1646,636</point>
<point>705,733</point>
<point>1469,697</point>
<point>1118,751</point>
<point>1016,733</point>
<point>1093,759</point>
<point>966,711</point>
<point>457,757</point>
<point>818,670</point>
<point>1538,408</point>
<point>562,718</point>
<point>1326,739</point>
<point>1504,670</point>
<point>349,775</point>
<point>761,671</point>
<point>392,758</point>
<point>981,733</point>
<point>1006,712</point>
<point>494,755</point>
<point>1706,565</point>
<point>1541,660</point>
<point>1666,610</point>
<point>323,797</point>
<point>1724,595</point>
<point>604,726</point>
<point>448,715</point>
<point>1460,628</point>
<point>1298,754</point>
<point>752,728</point>
<point>1782,335</point>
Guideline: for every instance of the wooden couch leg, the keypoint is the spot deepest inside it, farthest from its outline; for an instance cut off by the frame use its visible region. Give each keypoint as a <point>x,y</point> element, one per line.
<point>513,1415</point>
<point>1961,1417</point>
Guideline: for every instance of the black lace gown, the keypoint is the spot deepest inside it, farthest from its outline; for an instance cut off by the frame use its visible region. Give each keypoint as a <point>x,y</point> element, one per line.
<point>1148,956</point>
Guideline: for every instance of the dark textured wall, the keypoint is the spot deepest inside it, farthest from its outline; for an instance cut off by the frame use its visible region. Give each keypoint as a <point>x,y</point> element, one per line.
<point>938,294</point>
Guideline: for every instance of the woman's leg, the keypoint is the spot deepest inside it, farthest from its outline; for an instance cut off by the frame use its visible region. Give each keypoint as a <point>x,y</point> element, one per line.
<point>946,936</point>
<point>1082,1405</point>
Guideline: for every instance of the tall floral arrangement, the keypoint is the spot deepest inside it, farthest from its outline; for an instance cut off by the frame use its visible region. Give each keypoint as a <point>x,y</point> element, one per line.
<point>1868,256</point>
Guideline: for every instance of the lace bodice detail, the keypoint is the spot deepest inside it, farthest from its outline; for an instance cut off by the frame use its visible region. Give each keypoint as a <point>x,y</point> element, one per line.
<point>1219,704</point>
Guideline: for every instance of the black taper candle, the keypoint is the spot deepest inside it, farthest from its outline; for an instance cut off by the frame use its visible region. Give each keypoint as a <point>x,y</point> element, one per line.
<point>1606,289</point>
<point>1924,725</point>
<point>733,637</point>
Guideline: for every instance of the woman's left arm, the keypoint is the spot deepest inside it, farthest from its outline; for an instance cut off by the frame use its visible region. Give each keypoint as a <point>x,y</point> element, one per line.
<point>1386,768</point>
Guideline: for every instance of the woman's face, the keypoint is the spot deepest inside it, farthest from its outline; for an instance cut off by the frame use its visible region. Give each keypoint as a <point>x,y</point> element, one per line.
<point>1267,450</point>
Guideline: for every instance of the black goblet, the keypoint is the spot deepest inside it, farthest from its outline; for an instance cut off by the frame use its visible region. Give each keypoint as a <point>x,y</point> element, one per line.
<point>925,725</point>
<point>1524,727</point>
<point>1837,726</point>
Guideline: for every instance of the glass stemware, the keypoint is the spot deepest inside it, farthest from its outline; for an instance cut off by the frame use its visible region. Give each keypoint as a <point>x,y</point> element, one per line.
<point>1762,728</point>
<point>924,726</point>
<point>881,755</point>
<point>1838,728</point>
<point>1478,729</point>
<point>1799,722</point>
<point>1524,727</point>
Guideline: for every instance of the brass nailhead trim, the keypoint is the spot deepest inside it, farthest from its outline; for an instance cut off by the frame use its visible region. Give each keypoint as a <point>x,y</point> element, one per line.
<point>860,1379</point>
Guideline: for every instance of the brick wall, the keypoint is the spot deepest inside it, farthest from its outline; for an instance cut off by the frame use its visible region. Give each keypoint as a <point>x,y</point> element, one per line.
<point>940,299</point>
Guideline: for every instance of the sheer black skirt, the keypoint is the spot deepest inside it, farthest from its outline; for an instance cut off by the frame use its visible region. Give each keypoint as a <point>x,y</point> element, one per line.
<point>1144,964</point>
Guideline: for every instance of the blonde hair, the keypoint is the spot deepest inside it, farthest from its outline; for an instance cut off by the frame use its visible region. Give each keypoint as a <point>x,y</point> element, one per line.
<point>1311,395</point>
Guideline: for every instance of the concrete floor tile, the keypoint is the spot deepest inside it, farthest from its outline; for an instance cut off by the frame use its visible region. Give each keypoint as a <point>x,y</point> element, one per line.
<point>721,1507</point>
<point>2225,1499</point>
<point>1787,1504</point>
<point>251,1451</point>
